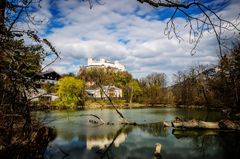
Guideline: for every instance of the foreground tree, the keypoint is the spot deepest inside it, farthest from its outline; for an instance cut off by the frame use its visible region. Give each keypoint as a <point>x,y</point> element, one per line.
<point>226,82</point>
<point>22,53</point>
<point>21,61</point>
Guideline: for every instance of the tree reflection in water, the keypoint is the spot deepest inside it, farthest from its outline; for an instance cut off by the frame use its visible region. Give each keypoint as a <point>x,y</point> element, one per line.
<point>107,151</point>
<point>79,140</point>
<point>207,142</point>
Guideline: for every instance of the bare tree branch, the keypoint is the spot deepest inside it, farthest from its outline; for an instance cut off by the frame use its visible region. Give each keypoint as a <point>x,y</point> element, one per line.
<point>207,20</point>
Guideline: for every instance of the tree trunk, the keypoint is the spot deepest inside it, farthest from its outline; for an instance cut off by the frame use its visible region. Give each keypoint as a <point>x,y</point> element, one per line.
<point>2,15</point>
<point>131,96</point>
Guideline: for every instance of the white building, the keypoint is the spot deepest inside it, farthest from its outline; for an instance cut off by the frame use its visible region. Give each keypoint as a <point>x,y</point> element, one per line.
<point>110,91</point>
<point>38,94</point>
<point>105,64</point>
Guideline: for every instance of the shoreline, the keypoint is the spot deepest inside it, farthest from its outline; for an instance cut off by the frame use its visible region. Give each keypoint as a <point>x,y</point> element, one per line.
<point>122,106</point>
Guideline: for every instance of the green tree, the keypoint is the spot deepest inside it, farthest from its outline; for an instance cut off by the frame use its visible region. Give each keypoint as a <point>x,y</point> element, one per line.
<point>70,91</point>
<point>134,89</point>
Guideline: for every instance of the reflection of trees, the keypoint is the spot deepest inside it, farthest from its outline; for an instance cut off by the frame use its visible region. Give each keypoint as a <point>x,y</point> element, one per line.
<point>178,133</point>
<point>107,151</point>
<point>203,140</point>
<point>155,129</point>
<point>89,141</point>
<point>204,143</point>
<point>225,144</point>
<point>230,143</point>
<point>104,141</point>
<point>199,114</point>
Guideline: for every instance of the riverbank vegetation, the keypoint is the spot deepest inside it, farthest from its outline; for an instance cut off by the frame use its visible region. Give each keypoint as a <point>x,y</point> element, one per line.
<point>211,86</point>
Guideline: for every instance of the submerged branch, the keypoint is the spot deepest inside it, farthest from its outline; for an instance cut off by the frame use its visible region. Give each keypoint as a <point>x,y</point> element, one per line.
<point>95,117</point>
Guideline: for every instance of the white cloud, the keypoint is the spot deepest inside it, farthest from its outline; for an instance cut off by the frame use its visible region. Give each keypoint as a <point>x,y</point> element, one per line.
<point>116,31</point>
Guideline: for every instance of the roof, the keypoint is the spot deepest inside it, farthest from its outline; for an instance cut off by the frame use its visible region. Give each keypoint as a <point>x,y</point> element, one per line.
<point>110,87</point>
<point>45,74</point>
<point>104,88</point>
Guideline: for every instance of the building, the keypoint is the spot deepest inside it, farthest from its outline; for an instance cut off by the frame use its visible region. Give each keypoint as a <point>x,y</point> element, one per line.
<point>110,91</point>
<point>43,78</point>
<point>34,95</point>
<point>103,63</point>
<point>49,76</point>
<point>41,94</point>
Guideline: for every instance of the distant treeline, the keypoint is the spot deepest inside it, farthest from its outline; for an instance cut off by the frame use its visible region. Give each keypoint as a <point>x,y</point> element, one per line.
<point>217,85</point>
<point>212,86</point>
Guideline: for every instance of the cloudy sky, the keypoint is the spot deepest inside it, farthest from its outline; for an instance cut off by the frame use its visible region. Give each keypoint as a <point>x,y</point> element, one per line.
<point>127,31</point>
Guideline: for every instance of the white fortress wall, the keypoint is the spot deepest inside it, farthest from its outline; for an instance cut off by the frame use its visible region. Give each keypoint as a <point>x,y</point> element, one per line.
<point>105,63</point>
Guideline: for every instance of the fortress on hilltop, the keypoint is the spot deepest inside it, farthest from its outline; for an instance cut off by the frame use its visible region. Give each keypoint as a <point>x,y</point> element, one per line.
<point>103,63</point>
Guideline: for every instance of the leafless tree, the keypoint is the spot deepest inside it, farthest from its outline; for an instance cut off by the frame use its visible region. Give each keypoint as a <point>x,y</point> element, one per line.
<point>208,19</point>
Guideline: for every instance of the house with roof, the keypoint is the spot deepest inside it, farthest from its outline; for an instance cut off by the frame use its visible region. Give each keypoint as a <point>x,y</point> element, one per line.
<point>104,91</point>
<point>49,76</point>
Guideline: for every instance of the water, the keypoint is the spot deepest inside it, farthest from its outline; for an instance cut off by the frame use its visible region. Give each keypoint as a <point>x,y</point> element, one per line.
<point>77,138</point>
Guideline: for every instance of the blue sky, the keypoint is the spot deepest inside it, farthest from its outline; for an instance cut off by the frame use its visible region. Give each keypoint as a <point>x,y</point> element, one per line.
<point>127,31</point>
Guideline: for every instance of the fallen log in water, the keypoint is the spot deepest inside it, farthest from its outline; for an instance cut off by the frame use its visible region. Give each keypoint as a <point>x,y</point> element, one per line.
<point>195,124</point>
<point>229,124</point>
<point>198,124</point>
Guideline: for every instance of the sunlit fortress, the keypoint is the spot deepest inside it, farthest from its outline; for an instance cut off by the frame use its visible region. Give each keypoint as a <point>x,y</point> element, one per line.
<point>103,63</point>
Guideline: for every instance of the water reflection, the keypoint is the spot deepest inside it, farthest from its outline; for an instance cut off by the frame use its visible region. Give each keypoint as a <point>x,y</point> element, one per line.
<point>155,129</point>
<point>77,138</point>
<point>104,141</point>
<point>210,143</point>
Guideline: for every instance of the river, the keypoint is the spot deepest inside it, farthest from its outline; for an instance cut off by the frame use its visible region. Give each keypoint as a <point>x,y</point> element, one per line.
<point>78,138</point>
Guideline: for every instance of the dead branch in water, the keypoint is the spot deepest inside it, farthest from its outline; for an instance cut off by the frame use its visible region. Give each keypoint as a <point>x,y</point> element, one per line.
<point>103,122</point>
